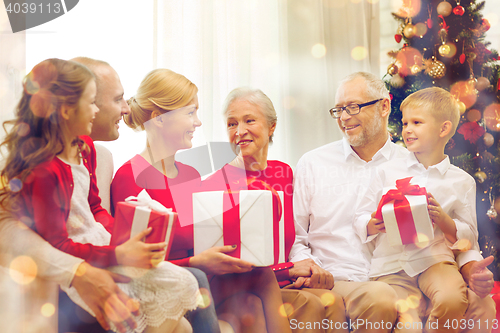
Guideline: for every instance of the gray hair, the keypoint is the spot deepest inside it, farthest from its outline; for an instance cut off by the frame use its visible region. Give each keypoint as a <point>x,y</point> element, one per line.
<point>253,96</point>
<point>375,87</point>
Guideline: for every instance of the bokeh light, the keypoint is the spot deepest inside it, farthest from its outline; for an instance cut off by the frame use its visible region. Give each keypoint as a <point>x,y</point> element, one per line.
<point>286,309</point>
<point>318,50</point>
<point>15,185</point>
<point>359,53</point>
<point>413,301</point>
<point>410,8</point>
<point>355,1</point>
<point>76,221</point>
<point>492,117</point>
<point>474,115</point>
<point>465,92</point>
<point>373,1</point>
<point>422,240</point>
<point>23,129</point>
<point>205,298</point>
<point>48,310</point>
<point>462,245</point>
<point>327,299</point>
<point>406,59</point>
<point>420,29</point>
<point>401,305</point>
<point>23,270</point>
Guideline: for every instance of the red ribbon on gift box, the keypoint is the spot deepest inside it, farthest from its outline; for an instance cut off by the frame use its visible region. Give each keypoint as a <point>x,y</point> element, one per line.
<point>231,207</point>
<point>402,208</point>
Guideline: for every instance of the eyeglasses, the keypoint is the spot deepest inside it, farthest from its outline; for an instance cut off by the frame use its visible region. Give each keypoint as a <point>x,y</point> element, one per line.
<point>351,109</point>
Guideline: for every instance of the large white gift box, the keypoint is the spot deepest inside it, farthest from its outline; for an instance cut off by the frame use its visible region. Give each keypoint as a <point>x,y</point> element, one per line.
<point>250,219</point>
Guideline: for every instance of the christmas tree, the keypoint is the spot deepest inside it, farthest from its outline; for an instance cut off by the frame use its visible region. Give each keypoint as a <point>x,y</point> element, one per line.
<point>444,46</point>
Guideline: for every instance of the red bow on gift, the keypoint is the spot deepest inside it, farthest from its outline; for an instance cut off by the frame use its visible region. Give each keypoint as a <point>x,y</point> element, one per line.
<point>402,208</point>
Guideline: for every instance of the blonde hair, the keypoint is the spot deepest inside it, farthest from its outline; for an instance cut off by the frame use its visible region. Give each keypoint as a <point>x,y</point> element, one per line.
<point>162,90</point>
<point>255,97</point>
<point>439,102</point>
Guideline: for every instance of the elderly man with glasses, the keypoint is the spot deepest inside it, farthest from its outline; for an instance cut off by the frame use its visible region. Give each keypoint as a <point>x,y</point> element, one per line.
<point>330,180</point>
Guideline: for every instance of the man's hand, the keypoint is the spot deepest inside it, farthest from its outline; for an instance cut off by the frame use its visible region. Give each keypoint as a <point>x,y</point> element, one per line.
<point>375,226</point>
<point>306,274</point>
<point>479,277</point>
<point>216,261</point>
<point>109,303</point>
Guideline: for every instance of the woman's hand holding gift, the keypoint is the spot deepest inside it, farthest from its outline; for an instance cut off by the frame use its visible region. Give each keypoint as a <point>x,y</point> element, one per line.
<point>136,253</point>
<point>215,261</point>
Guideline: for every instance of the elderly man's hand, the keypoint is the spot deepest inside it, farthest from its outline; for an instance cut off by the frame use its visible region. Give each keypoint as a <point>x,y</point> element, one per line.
<point>306,274</point>
<point>109,303</point>
<point>480,277</point>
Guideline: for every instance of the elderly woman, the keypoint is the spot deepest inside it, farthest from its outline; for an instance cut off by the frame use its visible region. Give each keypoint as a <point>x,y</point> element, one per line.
<point>166,106</point>
<point>250,122</point>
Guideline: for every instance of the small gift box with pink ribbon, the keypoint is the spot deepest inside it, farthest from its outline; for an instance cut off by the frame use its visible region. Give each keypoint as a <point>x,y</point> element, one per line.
<point>405,214</point>
<point>136,214</point>
<point>250,219</point>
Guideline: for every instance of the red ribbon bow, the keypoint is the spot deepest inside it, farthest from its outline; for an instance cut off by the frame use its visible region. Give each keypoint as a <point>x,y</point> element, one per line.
<point>402,208</point>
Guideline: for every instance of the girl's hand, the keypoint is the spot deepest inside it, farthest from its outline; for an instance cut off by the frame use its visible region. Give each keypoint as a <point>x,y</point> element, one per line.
<point>436,213</point>
<point>375,226</point>
<point>215,261</point>
<point>136,253</point>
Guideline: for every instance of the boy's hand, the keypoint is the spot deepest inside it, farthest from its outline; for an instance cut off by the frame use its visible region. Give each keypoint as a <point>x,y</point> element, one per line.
<point>375,226</point>
<point>136,253</point>
<point>435,211</point>
<point>443,220</point>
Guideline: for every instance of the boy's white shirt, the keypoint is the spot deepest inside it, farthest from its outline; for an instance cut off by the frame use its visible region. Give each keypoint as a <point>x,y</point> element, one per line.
<point>454,190</point>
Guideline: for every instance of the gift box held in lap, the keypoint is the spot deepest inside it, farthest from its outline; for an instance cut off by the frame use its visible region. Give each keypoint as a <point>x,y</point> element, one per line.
<point>251,219</point>
<point>136,214</point>
<point>405,214</point>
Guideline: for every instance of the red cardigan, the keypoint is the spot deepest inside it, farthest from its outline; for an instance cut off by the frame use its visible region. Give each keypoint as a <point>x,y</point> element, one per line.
<point>137,174</point>
<point>45,204</point>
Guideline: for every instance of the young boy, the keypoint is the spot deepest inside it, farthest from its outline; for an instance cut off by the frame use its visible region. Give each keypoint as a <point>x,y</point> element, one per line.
<point>430,118</point>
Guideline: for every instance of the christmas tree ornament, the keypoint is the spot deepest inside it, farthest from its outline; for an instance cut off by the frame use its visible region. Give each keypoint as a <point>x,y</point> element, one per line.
<point>392,69</point>
<point>482,83</point>
<point>397,81</point>
<point>429,20</point>
<point>461,107</point>
<point>420,29</point>
<point>459,10</point>
<point>415,69</point>
<point>492,212</point>
<point>444,8</point>
<point>480,176</point>
<point>409,30</point>
<point>406,58</point>
<point>488,140</point>
<point>435,68</point>
<point>444,50</point>
<point>398,36</point>
<point>485,24</point>
<point>464,92</point>
<point>491,117</point>
<point>462,58</point>
<point>474,115</point>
